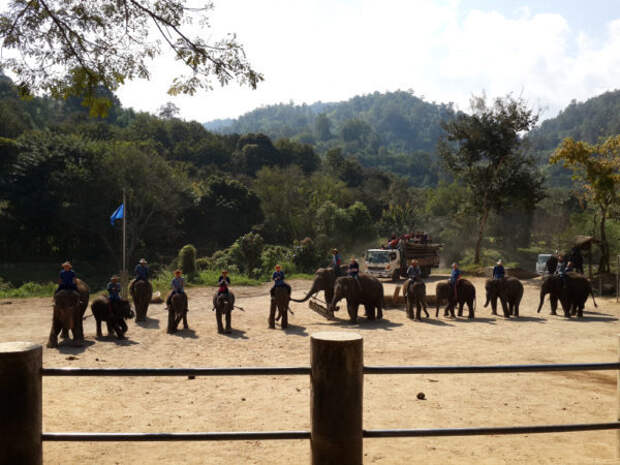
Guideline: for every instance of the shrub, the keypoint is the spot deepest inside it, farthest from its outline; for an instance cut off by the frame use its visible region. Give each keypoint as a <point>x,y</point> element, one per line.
<point>187,261</point>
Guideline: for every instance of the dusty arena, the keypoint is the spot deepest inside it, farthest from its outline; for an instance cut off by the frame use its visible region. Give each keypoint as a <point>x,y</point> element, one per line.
<point>179,404</point>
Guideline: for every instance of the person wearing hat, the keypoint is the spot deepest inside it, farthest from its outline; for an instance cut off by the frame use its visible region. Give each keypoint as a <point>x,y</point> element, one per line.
<point>223,282</point>
<point>141,271</point>
<point>67,279</point>
<point>336,262</point>
<point>114,291</point>
<point>278,281</point>
<point>414,273</point>
<point>498,270</point>
<point>178,287</point>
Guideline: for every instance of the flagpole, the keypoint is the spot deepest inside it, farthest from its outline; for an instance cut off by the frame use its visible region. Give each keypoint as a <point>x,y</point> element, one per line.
<point>124,232</point>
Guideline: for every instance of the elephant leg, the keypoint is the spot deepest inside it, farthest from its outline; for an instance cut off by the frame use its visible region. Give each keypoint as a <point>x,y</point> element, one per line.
<point>171,329</point>
<point>461,305</point>
<point>409,308</point>
<point>352,309</point>
<point>218,317</point>
<point>185,325</point>
<point>515,309</point>
<point>505,307</point>
<point>110,327</point>
<point>177,320</point>
<point>56,328</point>
<point>99,333</point>
<point>379,309</point>
<point>554,304</point>
<point>369,311</point>
<point>64,333</point>
<point>424,308</point>
<point>470,305</point>
<point>418,312</point>
<point>228,321</point>
<point>272,314</point>
<point>123,326</point>
<point>284,313</point>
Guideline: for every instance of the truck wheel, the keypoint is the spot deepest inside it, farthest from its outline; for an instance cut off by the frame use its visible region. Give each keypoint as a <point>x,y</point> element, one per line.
<point>395,276</point>
<point>426,271</point>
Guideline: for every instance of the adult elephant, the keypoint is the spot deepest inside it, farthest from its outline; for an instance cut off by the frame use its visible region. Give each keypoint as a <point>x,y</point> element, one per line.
<point>177,311</point>
<point>114,316</point>
<point>141,293</point>
<point>572,294</point>
<point>324,280</point>
<point>223,304</point>
<point>508,290</point>
<point>279,301</point>
<point>366,290</point>
<point>415,294</point>
<point>465,294</point>
<point>69,308</point>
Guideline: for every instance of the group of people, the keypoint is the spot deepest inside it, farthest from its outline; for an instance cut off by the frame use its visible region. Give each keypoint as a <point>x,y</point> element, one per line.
<point>416,237</point>
<point>353,268</point>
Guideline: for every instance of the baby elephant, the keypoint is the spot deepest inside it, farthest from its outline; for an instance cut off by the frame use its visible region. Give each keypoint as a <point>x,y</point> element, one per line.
<point>114,316</point>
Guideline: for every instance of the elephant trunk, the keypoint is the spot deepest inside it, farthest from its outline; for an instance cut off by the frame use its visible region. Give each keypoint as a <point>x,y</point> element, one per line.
<point>542,300</point>
<point>310,293</point>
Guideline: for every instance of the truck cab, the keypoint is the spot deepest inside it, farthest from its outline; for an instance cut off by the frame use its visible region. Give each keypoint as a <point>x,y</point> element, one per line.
<point>383,263</point>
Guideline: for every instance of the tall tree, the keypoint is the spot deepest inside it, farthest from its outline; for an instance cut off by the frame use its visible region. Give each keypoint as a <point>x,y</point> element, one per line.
<point>597,168</point>
<point>484,151</point>
<point>74,47</point>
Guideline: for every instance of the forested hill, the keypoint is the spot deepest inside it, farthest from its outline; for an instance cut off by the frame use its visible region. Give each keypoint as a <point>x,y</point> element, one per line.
<point>396,131</point>
<point>596,118</point>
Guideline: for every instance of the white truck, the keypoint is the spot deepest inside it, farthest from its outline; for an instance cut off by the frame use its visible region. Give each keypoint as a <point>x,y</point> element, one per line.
<point>393,263</point>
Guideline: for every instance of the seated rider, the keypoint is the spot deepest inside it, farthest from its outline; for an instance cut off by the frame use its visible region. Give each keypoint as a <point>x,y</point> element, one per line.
<point>178,287</point>
<point>278,281</point>
<point>498,270</point>
<point>336,262</point>
<point>223,282</point>
<point>114,291</point>
<point>455,276</point>
<point>67,279</point>
<point>561,269</point>
<point>414,273</point>
<point>142,271</point>
<point>354,270</point>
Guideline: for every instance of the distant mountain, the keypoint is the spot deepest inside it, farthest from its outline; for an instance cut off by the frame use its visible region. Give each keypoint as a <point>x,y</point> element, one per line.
<point>219,125</point>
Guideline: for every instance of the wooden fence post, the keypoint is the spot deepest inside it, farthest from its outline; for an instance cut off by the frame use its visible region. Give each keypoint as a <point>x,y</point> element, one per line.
<point>618,401</point>
<point>337,379</point>
<point>20,403</point>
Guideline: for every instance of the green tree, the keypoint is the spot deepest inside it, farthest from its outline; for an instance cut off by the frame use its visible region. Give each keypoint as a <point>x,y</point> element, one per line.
<point>484,151</point>
<point>72,47</point>
<point>251,249</point>
<point>597,169</point>
<point>187,261</point>
<point>322,127</point>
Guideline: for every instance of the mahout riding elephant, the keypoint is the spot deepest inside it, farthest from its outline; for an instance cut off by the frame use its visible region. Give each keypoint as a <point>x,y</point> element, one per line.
<point>279,301</point>
<point>508,290</point>
<point>465,294</point>
<point>415,294</point>
<point>69,308</point>
<point>177,311</point>
<point>365,290</point>
<point>324,280</point>
<point>114,316</point>
<point>572,294</point>
<point>223,304</point>
<point>141,293</point>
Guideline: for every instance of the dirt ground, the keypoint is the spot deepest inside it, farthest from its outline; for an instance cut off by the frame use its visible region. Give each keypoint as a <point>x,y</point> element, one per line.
<point>282,403</point>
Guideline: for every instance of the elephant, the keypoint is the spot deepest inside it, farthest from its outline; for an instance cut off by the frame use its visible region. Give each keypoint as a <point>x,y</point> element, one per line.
<point>223,304</point>
<point>324,280</point>
<point>141,293</point>
<point>509,290</point>
<point>572,294</point>
<point>366,290</point>
<point>465,294</point>
<point>279,301</point>
<point>415,294</point>
<point>114,316</point>
<point>69,308</point>
<point>177,311</point>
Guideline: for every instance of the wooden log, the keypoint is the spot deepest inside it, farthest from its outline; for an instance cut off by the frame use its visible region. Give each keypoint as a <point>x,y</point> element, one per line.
<point>20,403</point>
<point>337,377</point>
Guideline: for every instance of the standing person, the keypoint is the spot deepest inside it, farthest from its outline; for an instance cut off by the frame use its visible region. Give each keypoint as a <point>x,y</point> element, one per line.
<point>67,278</point>
<point>223,282</point>
<point>336,262</point>
<point>278,281</point>
<point>498,270</point>
<point>114,292</point>
<point>455,276</point>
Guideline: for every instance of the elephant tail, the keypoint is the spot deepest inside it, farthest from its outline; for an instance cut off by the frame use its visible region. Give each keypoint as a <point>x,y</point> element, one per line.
<point>592,294</point>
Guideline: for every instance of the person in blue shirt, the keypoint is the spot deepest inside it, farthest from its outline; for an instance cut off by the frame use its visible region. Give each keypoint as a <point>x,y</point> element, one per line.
<point>114,292</point>
<point>354,271</point>
<point>414,273</point>
<point>336,262</point>
<point>141,271</point>
<point>498,270</point>
<point>178,287</point>
<point>223,282</point>
<point>67,278</point>
<point>278,281</point>
<point>455,275</point>
<point>560,270</point>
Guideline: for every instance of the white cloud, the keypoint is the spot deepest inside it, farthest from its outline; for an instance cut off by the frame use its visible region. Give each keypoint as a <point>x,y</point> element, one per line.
<point>332,50</point>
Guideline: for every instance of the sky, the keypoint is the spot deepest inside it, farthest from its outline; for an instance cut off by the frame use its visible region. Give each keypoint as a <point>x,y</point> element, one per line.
<point>548,52</point>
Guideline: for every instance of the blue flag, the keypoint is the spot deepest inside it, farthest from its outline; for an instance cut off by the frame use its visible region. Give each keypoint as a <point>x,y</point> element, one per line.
<point>118,214</point>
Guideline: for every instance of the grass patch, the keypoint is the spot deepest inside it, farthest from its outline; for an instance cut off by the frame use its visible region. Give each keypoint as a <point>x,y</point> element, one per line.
<point>28,289</point>
<point>301,276</point>
<point>204,278</point>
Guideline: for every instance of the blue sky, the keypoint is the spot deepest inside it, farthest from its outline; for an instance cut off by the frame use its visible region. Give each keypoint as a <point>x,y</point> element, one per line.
<point>445,50</point>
